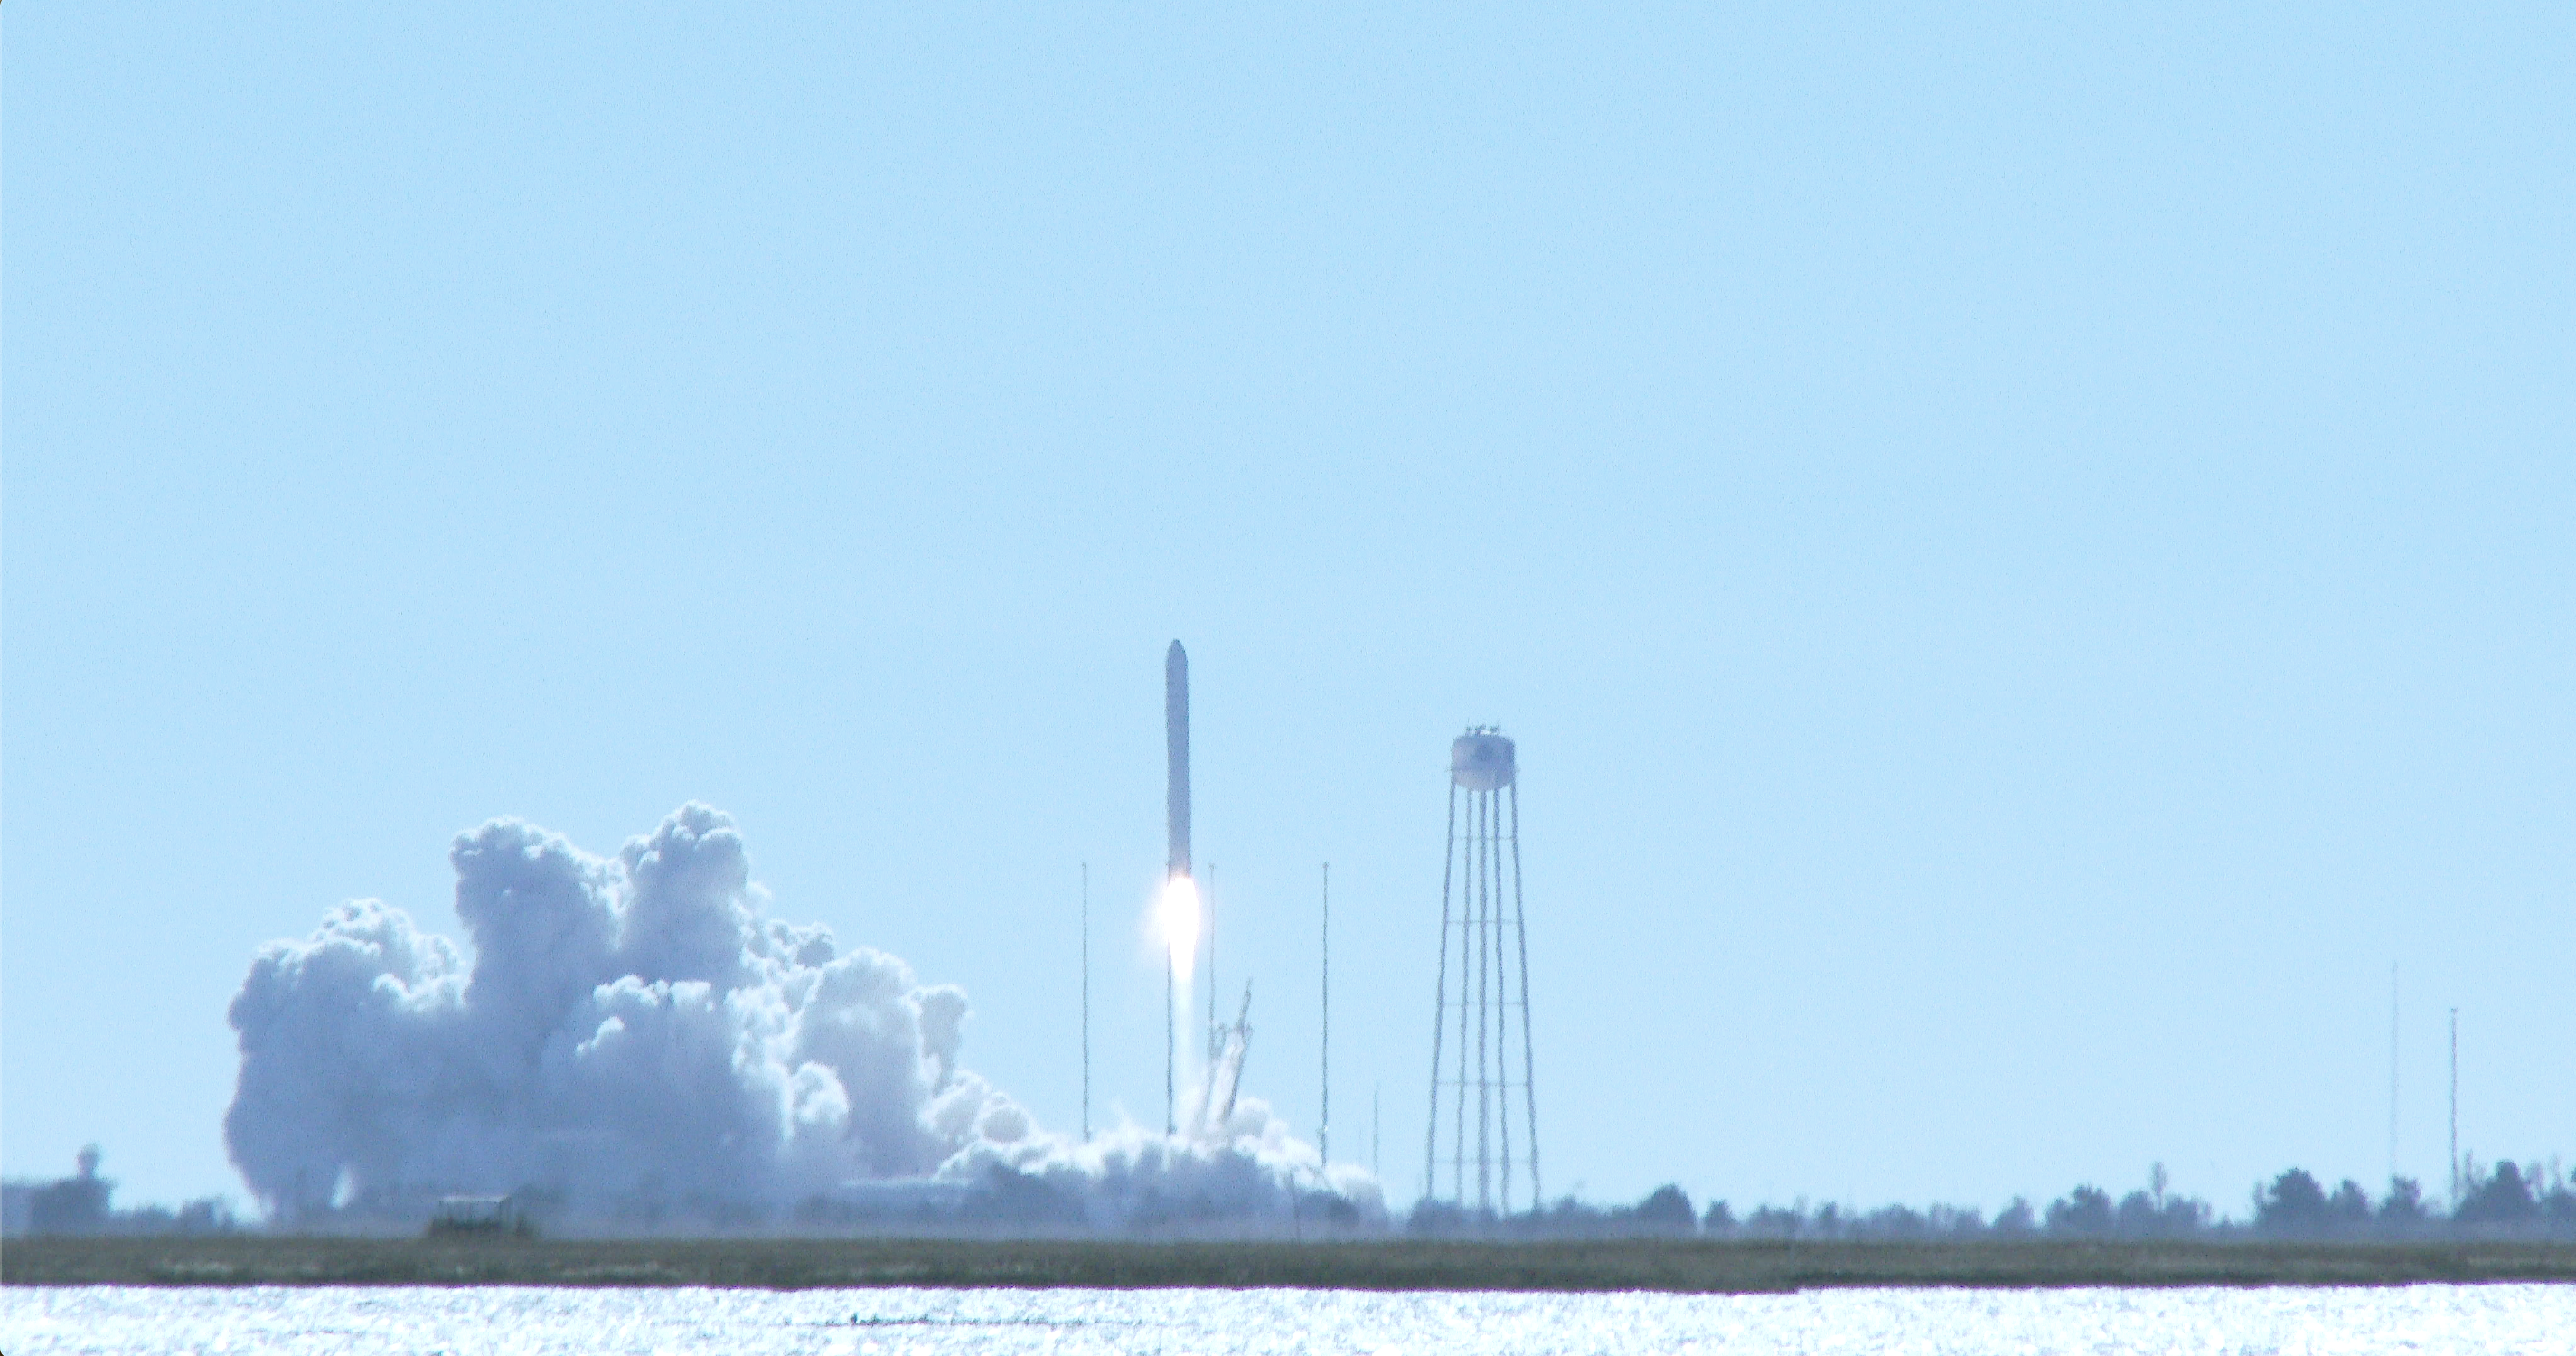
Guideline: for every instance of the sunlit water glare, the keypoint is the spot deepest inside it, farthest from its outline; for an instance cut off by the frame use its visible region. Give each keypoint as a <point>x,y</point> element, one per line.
<point>2490,1319</point>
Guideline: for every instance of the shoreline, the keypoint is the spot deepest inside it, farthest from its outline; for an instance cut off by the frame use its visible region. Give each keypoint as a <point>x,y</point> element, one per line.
<point>1679,1266</point>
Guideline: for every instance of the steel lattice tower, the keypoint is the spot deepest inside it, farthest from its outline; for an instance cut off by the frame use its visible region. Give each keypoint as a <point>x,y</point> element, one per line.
<point>1483,996</point>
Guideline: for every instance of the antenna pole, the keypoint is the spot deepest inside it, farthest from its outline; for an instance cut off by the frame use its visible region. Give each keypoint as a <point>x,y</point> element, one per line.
<point>1086,1002</point>
<point>2392,1072</point>
<point>1171,1047</point>
<point>1324,1136</point>
<point>1211,954</point>
<point>2455,1111</point>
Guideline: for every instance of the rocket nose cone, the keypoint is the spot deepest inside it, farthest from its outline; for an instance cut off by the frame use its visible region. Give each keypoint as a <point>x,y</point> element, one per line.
<point>1175,654</point>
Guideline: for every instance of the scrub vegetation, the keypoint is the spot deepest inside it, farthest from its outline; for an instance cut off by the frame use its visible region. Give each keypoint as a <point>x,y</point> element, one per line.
<point>1380,1264</point>
<point>2535,1202</point>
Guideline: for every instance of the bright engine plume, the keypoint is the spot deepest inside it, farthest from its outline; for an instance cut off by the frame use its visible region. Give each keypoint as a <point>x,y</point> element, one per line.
<point>1177,921</point>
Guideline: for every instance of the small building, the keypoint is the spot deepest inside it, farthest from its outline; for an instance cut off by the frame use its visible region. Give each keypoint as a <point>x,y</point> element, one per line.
<point>480,1215</point>
<point>17,1206</point>
<point>66,1205</point>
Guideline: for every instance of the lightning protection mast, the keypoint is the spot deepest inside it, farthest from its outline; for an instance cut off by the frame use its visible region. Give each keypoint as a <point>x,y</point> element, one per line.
<point>1086,1002</point>
<point>1482,1000</point>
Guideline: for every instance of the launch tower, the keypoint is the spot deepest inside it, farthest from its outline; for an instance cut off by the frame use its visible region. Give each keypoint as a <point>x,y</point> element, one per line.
<point>1483,994</point>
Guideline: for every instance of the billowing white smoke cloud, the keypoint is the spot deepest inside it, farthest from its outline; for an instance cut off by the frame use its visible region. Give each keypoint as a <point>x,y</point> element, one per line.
<point>637,1033</point>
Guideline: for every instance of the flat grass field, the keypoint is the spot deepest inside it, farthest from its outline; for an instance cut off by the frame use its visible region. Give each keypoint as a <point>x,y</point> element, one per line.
<point>806,1263</point>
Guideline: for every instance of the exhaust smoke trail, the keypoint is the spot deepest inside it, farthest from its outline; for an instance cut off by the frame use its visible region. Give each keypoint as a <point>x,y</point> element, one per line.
<point>636,1032</point>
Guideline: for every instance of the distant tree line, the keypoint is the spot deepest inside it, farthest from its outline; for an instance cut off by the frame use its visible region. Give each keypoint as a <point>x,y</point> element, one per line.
<point>2505,1201</point>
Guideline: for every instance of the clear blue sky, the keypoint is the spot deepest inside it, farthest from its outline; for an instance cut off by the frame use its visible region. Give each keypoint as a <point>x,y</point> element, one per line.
<point>2030,553</point>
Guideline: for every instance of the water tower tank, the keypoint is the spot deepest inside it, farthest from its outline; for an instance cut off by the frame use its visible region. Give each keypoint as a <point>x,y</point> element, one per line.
<point>1481,760</point>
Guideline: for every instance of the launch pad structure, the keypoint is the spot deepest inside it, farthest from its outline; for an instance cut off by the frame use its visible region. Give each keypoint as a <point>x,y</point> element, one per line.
<point>1482,1000</point>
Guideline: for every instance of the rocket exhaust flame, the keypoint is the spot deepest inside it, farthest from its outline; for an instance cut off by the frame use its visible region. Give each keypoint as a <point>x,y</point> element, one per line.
<point>1176,920</point>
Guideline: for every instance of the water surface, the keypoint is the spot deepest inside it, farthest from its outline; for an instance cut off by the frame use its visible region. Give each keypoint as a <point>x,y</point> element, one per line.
<point>2489,1320</point>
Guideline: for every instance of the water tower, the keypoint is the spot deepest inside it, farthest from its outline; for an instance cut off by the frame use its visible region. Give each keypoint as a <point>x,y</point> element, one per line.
<point>1480,1033</point>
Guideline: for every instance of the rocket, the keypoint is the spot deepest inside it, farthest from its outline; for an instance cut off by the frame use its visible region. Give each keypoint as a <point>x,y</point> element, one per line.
<point>1176,747</point>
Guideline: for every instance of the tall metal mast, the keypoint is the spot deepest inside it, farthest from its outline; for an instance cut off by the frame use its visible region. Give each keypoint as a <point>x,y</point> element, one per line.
<point>1171,1052</point>
<point>1176,864</point>
<point>2455,1111</point>
<point>2392,1072</point>
<point>1086,1002</point>
<point>1207,905</point>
